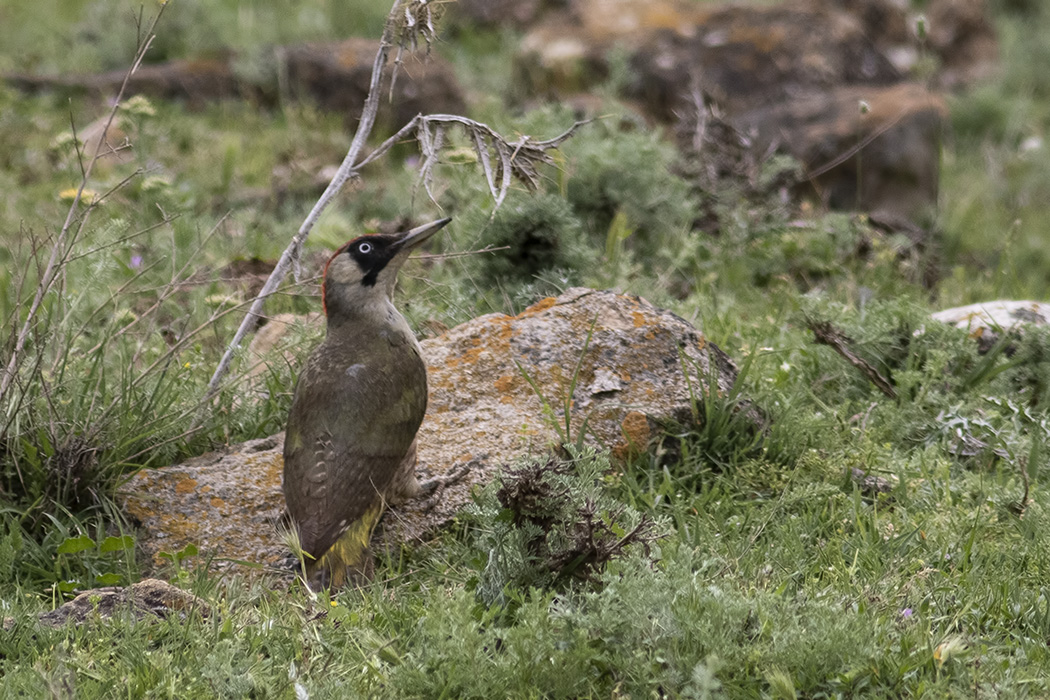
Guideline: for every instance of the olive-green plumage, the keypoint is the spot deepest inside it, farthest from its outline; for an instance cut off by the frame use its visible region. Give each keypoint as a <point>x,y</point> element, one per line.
<point>350,443</point>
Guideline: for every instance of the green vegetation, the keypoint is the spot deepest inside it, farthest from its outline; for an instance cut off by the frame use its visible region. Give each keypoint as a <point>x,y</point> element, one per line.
<point>759,566</point>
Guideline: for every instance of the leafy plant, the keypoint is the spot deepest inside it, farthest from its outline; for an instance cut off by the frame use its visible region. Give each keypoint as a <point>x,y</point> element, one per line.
<point>544,523</point>
<point>67,560</point>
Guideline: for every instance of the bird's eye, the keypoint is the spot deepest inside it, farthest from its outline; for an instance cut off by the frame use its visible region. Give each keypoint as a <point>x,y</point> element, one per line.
<point>364,248</point>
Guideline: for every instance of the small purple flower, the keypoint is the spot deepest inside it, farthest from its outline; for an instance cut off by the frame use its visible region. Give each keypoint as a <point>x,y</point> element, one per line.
<point>906,613</point>
<point>136,261</point>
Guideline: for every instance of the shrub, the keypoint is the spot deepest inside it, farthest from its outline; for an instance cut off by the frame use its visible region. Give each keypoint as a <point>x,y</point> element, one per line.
<point>541,234</point>
<point>629,172</point>
<point>546,522</point>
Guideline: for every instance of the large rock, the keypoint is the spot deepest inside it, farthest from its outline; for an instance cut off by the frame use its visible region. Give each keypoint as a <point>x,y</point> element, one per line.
<point>743,55</point>
<point>962,34</point>
<point>499,389</point>
<point>754,51</point>
<point>495,13</point>
<point>227,504</point>
<point>959,33</point>
<point>870,148</point>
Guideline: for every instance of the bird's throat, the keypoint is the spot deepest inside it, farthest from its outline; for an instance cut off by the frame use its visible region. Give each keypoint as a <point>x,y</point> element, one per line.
<point>379,319</point>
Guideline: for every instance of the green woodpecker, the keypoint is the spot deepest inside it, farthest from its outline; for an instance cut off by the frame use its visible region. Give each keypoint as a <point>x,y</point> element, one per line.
<point>350,445</point>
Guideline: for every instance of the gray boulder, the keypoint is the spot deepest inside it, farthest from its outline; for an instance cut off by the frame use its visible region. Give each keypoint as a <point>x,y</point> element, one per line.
<point>608,367</point>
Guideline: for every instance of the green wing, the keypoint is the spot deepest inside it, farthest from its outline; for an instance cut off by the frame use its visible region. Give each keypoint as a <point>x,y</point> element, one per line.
<point>353,419</point>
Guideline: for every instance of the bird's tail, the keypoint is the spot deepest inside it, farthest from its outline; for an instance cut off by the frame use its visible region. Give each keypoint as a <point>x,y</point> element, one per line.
<point>349,560</point>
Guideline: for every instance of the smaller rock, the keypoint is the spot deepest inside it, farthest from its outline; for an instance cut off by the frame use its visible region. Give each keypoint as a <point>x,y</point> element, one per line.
<point>995,315</point>
<point>270,343</point>
<point>870,485</point>
<point>987,321</point>
<point>149,598</point>
<point>112,142</point>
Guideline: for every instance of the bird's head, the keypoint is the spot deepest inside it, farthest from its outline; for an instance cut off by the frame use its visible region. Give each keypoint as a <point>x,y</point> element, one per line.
<point>360,276</point>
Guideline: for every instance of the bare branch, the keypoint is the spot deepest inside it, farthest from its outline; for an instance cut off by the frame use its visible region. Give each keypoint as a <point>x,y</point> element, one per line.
<point>826,334</point>
<point>343,174</point>
<point>481,148</point>
<point>516,159</point>
<point>463,253</point>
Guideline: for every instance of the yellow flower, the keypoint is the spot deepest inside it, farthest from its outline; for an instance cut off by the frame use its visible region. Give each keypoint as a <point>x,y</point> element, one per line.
<point>952,647</point>
<point>87,196</point>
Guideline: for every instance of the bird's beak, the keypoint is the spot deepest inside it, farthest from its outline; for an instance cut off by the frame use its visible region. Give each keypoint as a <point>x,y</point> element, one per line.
<point>416,236</point>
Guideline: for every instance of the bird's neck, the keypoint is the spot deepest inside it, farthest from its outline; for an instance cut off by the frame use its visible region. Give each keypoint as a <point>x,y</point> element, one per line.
<point>374,316</point>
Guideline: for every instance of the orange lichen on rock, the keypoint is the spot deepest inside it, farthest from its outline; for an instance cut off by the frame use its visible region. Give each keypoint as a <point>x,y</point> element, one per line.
<point>506,331</point>
<point>468,357</point>
<point>541,305</point>
<point>221,503</point>
<point>186,485</point>
<point>636,434</point>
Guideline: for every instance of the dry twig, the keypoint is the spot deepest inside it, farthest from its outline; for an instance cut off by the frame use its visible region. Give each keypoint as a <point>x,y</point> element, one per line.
<point>826,334</point>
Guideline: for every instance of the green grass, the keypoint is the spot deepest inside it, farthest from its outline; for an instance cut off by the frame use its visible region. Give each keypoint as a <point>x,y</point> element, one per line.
<point>773,574</point>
